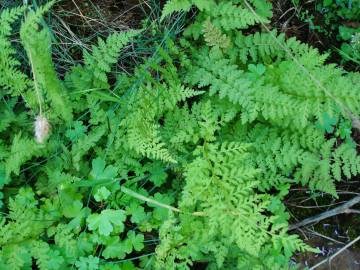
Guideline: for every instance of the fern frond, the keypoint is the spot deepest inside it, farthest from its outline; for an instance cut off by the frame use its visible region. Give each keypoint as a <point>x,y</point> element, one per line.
<point>229,16</point>
<point>142,131</point>
<point>214,37</point>
<point>305,157</point>
<point>46,82</point>
<point>22,150</point>
<point>105,54</point>
<point>220,185</point>
<point>268,47</point>
<point>84,144</point>
<point>11,78</point>
<point>172,6</point>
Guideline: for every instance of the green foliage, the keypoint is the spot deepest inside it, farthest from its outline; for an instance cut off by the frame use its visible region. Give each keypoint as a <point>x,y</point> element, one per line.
<point>340,21</point>
<point>104,55</point>
<point>268,47</point>
<point>11,79</point>
<point>186,157</point>
<point>251,101</point>
<point>89,263</point>
<point>46,84</point>
<point>184,5</point>
<point>221,187</point>
<point>105,221</point>
<point>22,150</point>
<point>214,37</point>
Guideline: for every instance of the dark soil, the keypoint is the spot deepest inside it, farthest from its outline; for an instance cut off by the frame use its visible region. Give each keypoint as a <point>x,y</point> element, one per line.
<point>329,235</point>
<point>346,260</point>
<point>89,17</point>
<point>287,19</point>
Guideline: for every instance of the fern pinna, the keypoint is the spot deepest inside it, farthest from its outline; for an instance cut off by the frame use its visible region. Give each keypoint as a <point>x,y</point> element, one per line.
<point>186,158</point>
<point>259,89</point>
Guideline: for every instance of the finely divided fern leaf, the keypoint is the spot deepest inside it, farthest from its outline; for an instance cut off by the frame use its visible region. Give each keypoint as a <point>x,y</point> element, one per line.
<point>22,150</point>
<point>105,54</point>
<point>46,83</point>
<point>172,6</point>
<point>11,78</point>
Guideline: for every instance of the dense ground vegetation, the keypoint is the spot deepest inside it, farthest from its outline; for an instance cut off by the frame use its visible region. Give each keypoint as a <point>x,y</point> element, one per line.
<point>339,21</point>
<point>180,159</point>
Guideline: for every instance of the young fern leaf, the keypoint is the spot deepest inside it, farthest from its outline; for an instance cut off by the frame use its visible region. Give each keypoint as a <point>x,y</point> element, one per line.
<point>105,54</point>
<point>214,37</point>
<point>11,79</point>
<point>85,143</point>
<point>142,131</point>
<point>266,47</point>
<point>229,16</point>
<point>221,185</point>
<point>46,83</point>
<point>172,6</point>
<point>22,150</point>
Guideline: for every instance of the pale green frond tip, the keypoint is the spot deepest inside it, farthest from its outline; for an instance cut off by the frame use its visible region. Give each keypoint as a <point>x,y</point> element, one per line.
<point>172,6</point>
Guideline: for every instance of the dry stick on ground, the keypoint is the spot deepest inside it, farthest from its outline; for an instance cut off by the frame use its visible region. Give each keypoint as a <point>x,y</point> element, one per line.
<point>342,209</point>
<point>335,254</point>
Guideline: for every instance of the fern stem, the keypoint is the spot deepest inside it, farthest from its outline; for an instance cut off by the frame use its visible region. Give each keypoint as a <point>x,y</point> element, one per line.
<point>148,200</point>
<point>37,91</point>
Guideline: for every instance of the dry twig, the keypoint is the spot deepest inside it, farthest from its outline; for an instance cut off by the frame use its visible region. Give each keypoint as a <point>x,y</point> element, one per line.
<point>336,254</point>
<point>342,209</point>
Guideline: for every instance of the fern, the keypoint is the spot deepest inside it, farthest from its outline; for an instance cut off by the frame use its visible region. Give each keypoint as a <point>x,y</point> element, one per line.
<point>271,100</point>
<point>287,148</point>
<point>229,16</point>
<point>214,37</point>
<point>143,135</point>
<point>268,47</point>
<point>184,5</point>
<point>148,104</point>
<point>11,118</point>
<point>104,55</point>
<point>36,42</point>
<point>270,96</point>
<point>190,152</point>
<point>221,187</point>
<point>22,150</point>
<point>84,144</point>
<point>11,79</point>
<point>41,252</point>
<point>306,155</point>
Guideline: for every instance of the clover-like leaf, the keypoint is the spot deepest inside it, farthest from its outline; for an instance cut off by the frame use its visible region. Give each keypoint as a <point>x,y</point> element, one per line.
<point>102,194</point>
<point>137,240</point>
<point>73,209</point>
<point>105,221</point>
<point>78,131</point>
<point>100,172</point>
<point>87,263</point>
<point>55,260</point>
<point>157,174</point>
<point>137,213</point>
<point>114,249</point>
<point>327,123</point>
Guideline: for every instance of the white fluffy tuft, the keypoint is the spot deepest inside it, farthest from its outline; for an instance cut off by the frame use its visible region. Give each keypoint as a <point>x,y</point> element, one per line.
<point>42,128</point>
